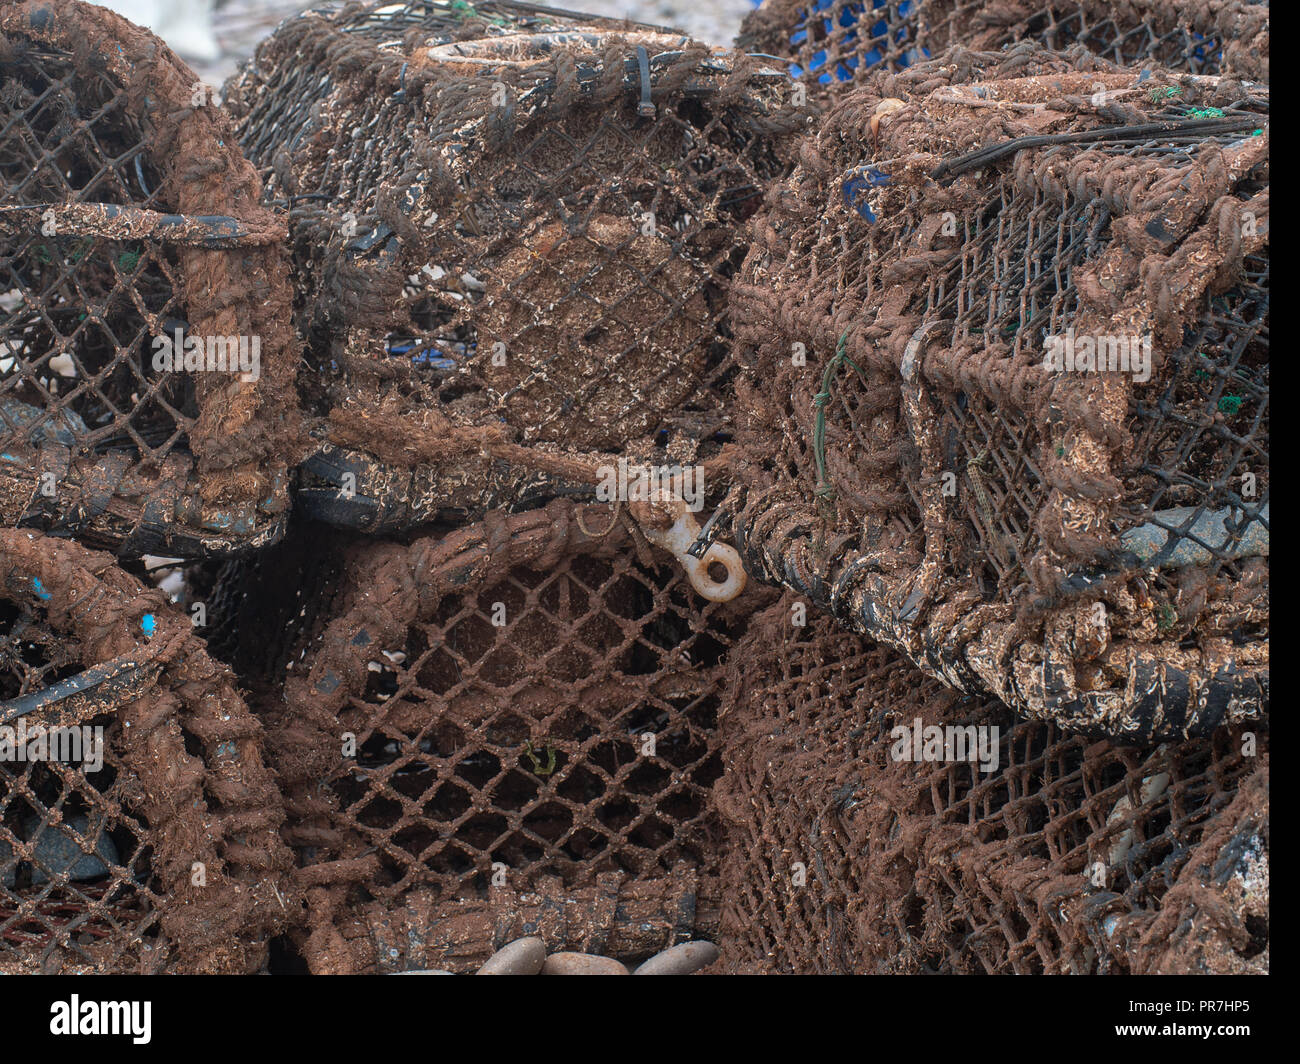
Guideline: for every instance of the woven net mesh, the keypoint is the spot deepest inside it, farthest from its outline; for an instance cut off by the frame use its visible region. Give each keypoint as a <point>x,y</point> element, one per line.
<point>831,45</point>
<point>955,446</point>
<point>1070,857</point>
<point>518,709</point>
<point>514,233</point>
<point>127,215</point>
<point>160,852</point>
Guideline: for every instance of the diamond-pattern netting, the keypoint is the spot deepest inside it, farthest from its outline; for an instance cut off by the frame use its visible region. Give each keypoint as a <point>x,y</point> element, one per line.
<point>1070,856</point>
<point>518,783</point>
<point>138,824</point>
<point>76,886</point>
<point>125,218</point>
<point>832,45</point>
<point>516,702</point>
<point>1006,384</point>
<point>525,256</point>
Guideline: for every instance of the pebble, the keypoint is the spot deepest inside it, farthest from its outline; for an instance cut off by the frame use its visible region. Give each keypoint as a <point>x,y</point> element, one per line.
<point>680,960</point>
<point>523,956</point>
<point>582,964</point>
<point>58,851</point>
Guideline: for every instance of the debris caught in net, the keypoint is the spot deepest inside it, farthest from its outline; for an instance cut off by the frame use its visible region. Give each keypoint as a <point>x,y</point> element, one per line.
<point>1070,857</point>
<point>128,217</point>
<point>524,701</point>
<point>514,231</point>
<point>933,455</point>
<point>157,851</point>
<point>832,45</point>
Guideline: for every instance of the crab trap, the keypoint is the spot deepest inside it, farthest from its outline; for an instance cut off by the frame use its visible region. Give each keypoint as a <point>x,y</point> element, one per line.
<point>138,821</point>
<point>506,730</point>
<point>831,45</point>
<point>1005,399</point>
<point>514,231</point>
<point>853,846</point>
<point>146,343</point>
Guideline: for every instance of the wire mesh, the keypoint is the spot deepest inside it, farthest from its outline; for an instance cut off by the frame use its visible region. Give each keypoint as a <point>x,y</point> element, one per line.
<point>1006,385</point>
<point>127,218</point>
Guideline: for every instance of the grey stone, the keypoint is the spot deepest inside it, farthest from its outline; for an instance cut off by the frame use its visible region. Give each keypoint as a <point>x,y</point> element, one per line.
<point>582,964</point>
<point>680,960</point>
<point>57,850</point>
<point>523,956</point>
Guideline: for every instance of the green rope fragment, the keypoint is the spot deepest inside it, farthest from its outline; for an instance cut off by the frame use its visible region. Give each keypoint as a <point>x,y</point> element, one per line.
<point>1158,93</point>
<point>824,490</point>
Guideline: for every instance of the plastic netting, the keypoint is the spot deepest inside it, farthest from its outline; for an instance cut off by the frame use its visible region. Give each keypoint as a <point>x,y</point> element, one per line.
<point>128,216</point>
<point>1005,338</point>
<point>527,705</point>
<point>514,232</point>
<point>831,45</point>
<point>159,849</point>
<point>1069,857</point>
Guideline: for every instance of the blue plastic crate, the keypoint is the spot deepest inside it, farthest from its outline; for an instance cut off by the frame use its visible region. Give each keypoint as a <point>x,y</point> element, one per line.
<point>845,26</point>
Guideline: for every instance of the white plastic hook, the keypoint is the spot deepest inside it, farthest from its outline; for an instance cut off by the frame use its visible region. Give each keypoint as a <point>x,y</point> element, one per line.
<point>679,536</point>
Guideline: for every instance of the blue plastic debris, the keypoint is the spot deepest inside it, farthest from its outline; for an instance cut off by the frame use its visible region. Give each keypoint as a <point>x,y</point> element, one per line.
<point>149,623</point>
<point>858,185</point>
<point>433,357</point>
<point>41,593</point>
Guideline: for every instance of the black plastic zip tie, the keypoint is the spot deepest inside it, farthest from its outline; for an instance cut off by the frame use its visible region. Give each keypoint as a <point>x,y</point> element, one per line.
<point>646,108</point>
<point>946,171</point>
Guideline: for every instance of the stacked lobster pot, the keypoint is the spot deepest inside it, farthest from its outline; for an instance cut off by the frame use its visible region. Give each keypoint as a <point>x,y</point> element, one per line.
<point>139,826</point>
<point>147,353</point>
<point>1004,395</point>
<point>1006,351</point>
<point>877,822</point>
<point>832,45</point>
<point>514,233</point>
<point>508,730</point>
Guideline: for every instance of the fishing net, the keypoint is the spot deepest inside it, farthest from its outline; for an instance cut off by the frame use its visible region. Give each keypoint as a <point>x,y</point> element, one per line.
<point>833,44</point>
<point>520,709</point>
<point>1005,393</point>
<point>129,218</point>
<point>1069,857</point>
<point>157,851</point>
<point>513,230</point>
